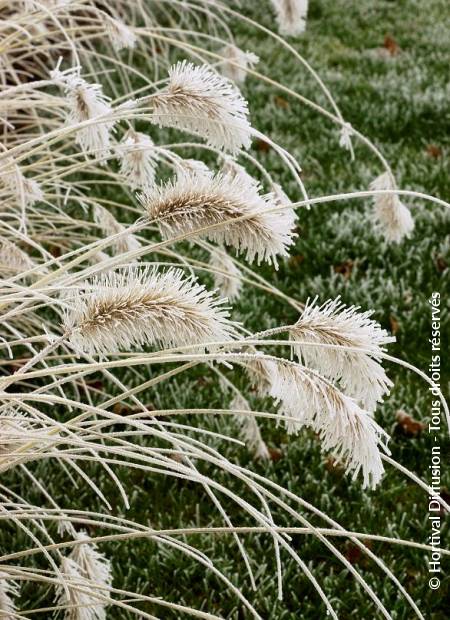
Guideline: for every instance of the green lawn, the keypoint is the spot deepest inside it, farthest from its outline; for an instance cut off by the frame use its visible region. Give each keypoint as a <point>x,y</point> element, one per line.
<point>400,101</point>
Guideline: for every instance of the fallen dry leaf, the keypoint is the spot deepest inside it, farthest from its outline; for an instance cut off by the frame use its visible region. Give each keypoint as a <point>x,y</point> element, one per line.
<point>96,384</point>
<point>407,424</point>
<point>334,466</point>
<point>262,145</point>
<point>55,251</point>
<point>120,409</point>
<point>391,45</point>
<point>296,260</point>
<point>280,102</point>
<point>345,268</point>
<point>445,495</point>
<point>354,554</point>
<point>275,454</point>
<point>177,457</point>
<point>434,151</point>
<point>441,264</point>
<point>395,325</point>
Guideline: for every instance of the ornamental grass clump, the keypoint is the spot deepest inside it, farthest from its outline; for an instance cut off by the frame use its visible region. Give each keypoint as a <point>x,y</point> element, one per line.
<point>134,215</point>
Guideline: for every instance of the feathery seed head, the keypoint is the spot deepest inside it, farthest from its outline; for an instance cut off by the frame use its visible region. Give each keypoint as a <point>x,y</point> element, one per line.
<point>121,36</point>
<point>349,432</point>
<point>227,277</point>
<point>260,370</point>
<point>291,16</point>
<point>134,307</point>
<point>236,63</point>
<point>192,166</point>
<point>13,260</point>
<point>110,226</point>
<point>8,592</point>
<point>232,168</point>
<point>17,430</point>
<point>93,564</point>
<point>251,434</point>
<point>345,137</point>
<point>202,102</point>
<point>79,598</point>
<point>86,102</point>
<point>360,373</point>
<point>138,160</point>
<point>25,190</point>
<point>391,215</point>
<point>193,202</point>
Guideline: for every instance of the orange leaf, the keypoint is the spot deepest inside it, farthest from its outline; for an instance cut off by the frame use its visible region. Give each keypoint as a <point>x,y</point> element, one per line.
<point>280,102</point>
<point>296,260</point>
<point>391,45</point>
<point>395,325</point>
<point>262,145</point>
<point>434,151</point>
<point>407,424</point>
<point>345,268</point>
<point>441,264</point>
<point>275,454</point>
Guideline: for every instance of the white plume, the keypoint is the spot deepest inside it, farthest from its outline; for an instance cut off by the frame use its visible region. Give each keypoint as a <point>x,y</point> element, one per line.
<point>204,103</point>
<point>13,260</point>
<point>119,310</point>
<point>291,16</point>
<point>349,432</point>
<point>251,434</point>
<point>195,202</point>
<point>360,373</point>
<point>89,569</point>
<point>24,190</point>
<point>86,102</point>
<point>110,226</point>
<point>227,276</point>
<point>9,590</point>
<point>138,160</point>
<point>391,215</point>
<point>236,63</point>
<point>121,36</point>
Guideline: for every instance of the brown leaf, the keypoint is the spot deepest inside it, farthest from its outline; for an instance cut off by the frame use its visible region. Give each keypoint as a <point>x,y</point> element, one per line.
<point>345,268</point>
<point>55,251</point>
<point>434,151</point>
<point>354,554</point>
<point>262,145</point>
<point>296,260</point>
<point>407,425</point>
<point>203,381</point>
<point>120,409</point>
<point>391,45</point>
<point>395,325</point>
<point>275,454</point>
<point>441,264</point>
<point>280,102</point>
<point>96,384</point>
<point>334,467</point>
